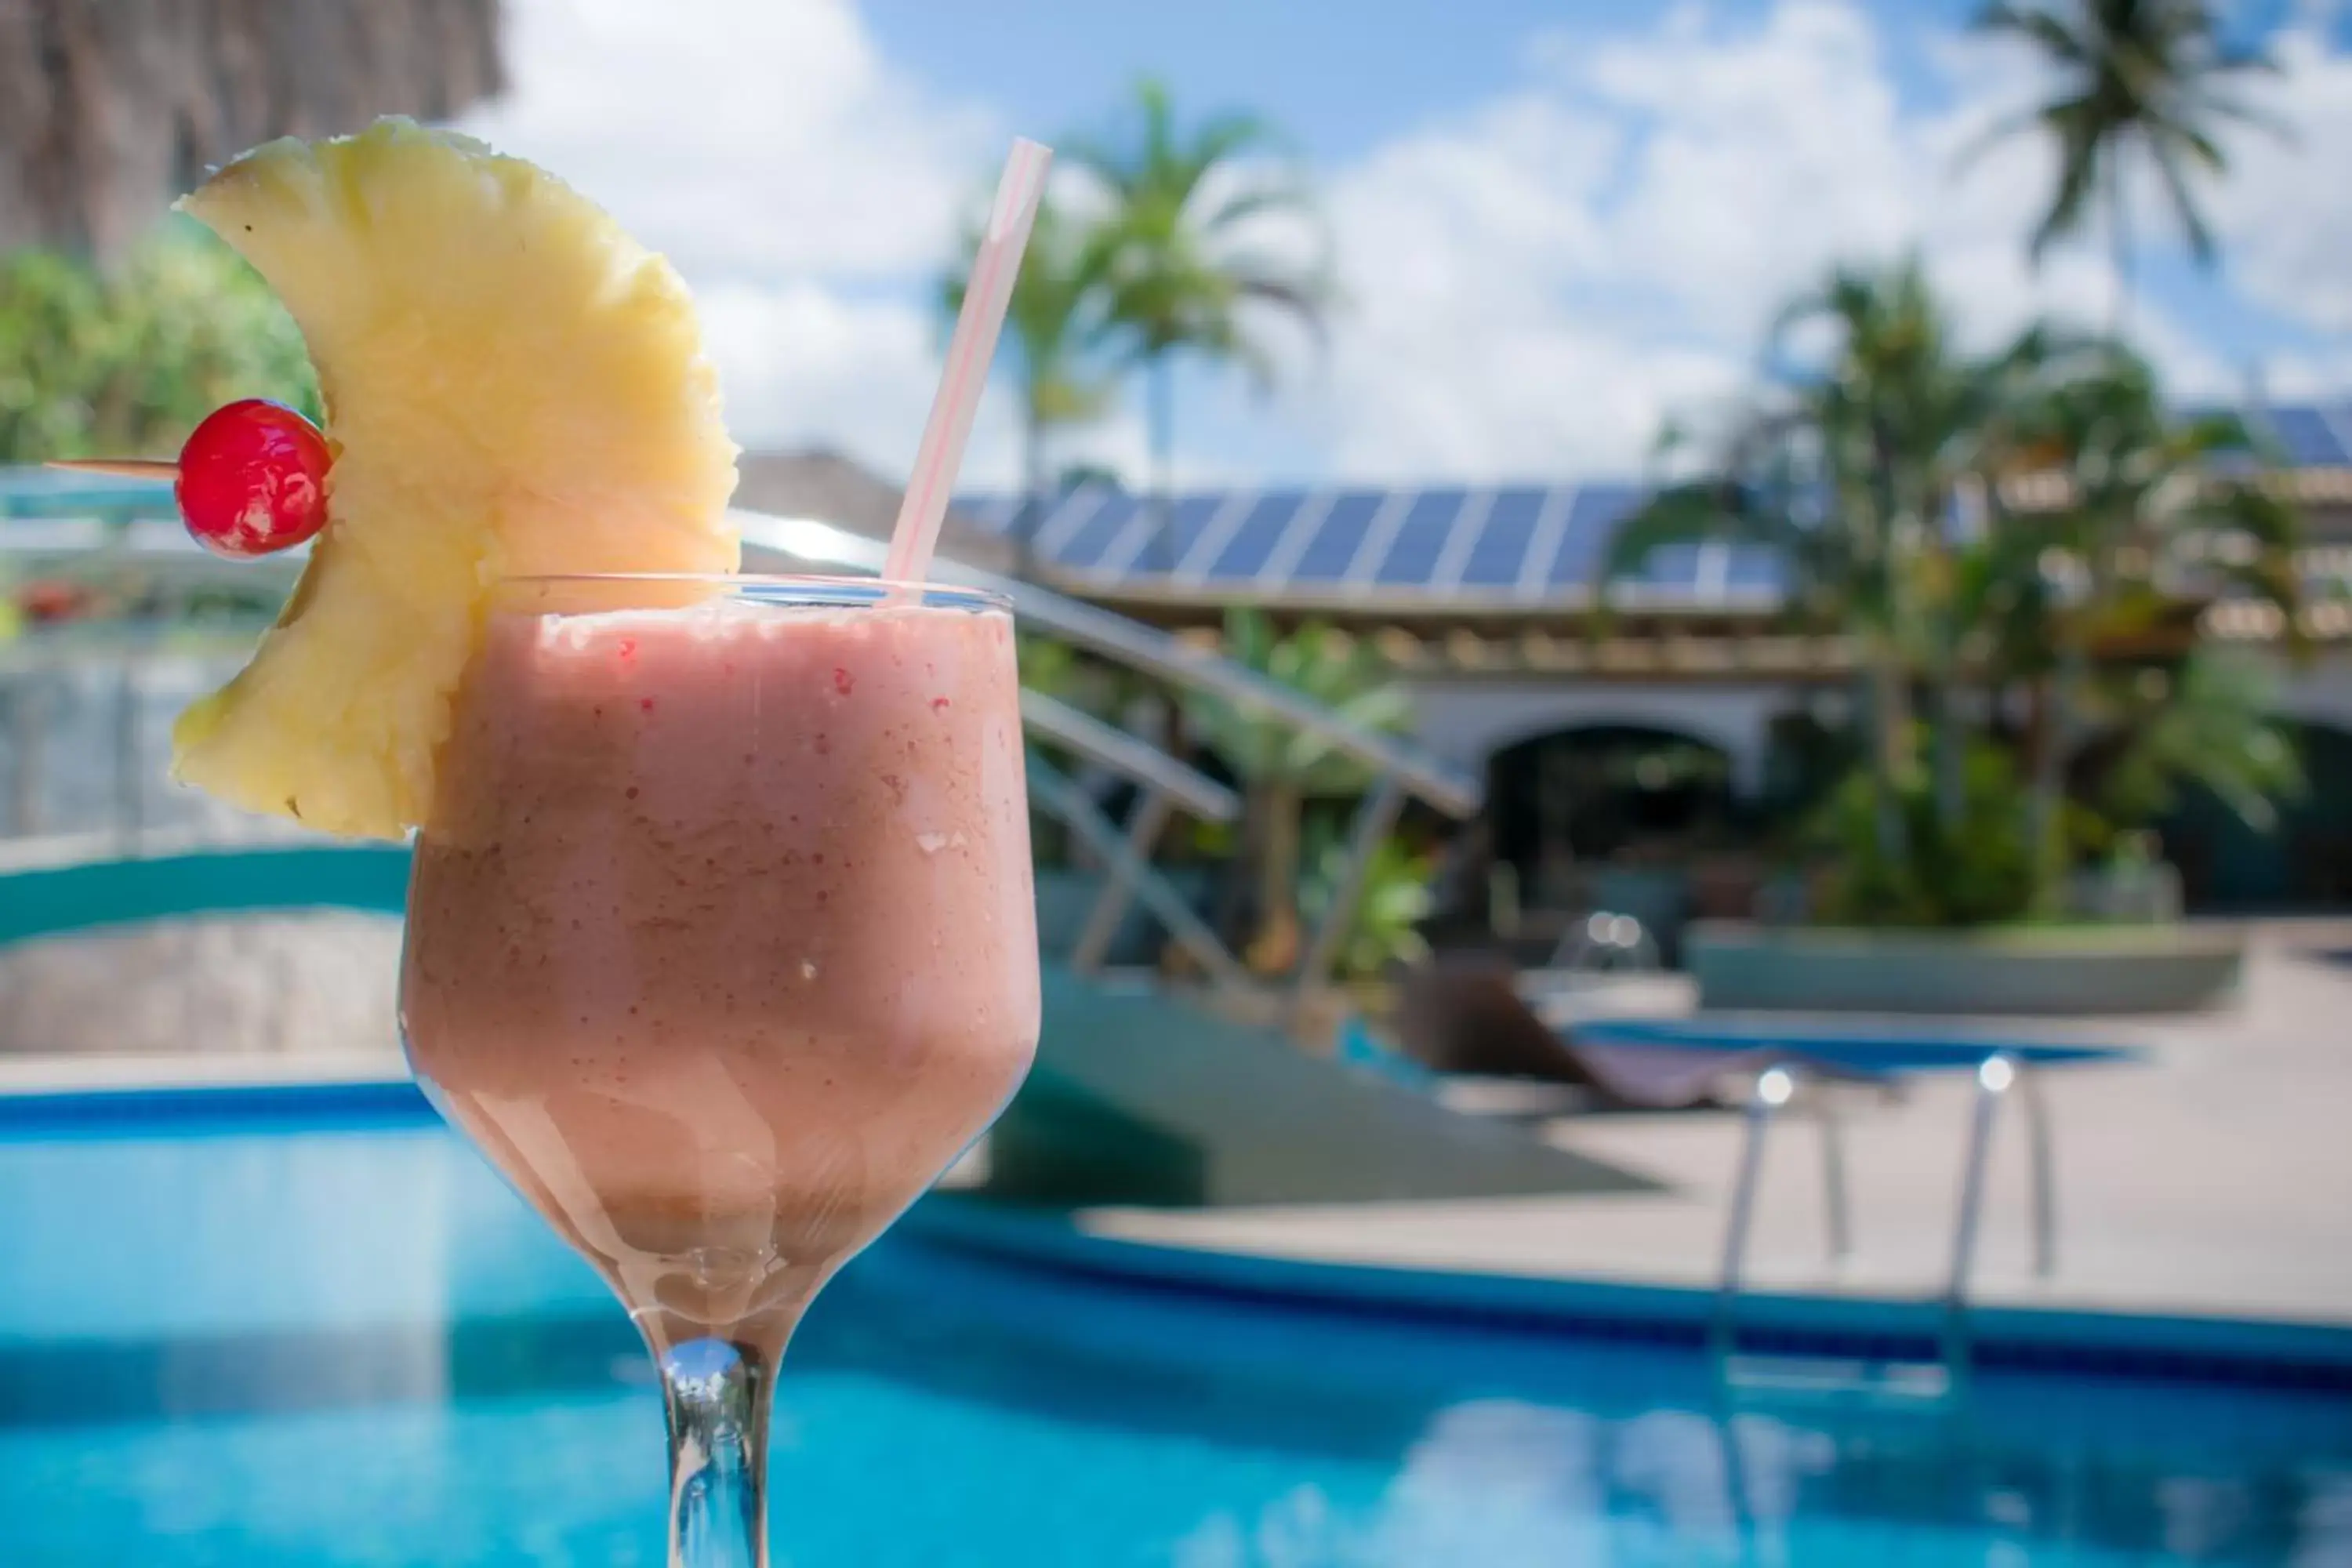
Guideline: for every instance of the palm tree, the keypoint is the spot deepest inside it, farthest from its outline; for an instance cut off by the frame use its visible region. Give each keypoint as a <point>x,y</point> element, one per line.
<point>2148,79</point>
<point>1852,471</point>
<point>1183,251</point>
<point>2211,726</point>
<point>1282,768</point>
<point>1055,326</point>
<point>2154,507</point>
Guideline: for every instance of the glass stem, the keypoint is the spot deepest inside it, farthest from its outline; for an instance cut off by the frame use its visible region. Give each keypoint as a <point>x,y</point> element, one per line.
<point>717,1396</point>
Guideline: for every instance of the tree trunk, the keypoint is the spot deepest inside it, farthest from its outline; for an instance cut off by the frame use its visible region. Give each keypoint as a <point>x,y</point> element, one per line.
<point>1951,728</point>
<point>2118,236</point>
<point>1275,949</point>
<point>1159,400</point>
<point>2056,699</point>
<point>1890,724</point>
<point>1951,757</point>
<point>109,111</point>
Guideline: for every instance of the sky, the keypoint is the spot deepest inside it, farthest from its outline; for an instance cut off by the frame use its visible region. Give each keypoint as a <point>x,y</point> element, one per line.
<point>1554,225</point>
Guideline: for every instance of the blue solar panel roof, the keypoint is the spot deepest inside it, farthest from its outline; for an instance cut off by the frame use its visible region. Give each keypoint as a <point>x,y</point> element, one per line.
<point>2309,439</point>
<point>1424,529</point>
<point>1155,536</point>
<point>1593,514</point>
<point>1255,537</point>
<point>1754,571</point>
<point>1518,542</point>
<point>992,514</point>
<point>1085,544</point>
<point>1331,548</point>
<point>1500,551</point>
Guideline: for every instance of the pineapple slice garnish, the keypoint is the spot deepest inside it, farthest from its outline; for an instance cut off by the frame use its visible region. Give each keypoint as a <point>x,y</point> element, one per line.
<point>513,386</point>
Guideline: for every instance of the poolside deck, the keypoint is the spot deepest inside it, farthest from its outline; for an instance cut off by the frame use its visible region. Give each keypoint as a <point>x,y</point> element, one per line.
<point>2212,1177</point>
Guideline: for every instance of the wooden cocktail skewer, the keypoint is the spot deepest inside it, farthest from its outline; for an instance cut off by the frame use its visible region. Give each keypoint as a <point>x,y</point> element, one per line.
<point>120,467</point>
<point>251,477</point>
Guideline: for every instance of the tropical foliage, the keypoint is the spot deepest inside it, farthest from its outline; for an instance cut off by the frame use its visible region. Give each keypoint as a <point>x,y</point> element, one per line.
<point>127,360</point>
<point>1055,328</point>
<point>2008,540</point>
<point>1393,901</point>
<point>2205,725</point>
<point>1188,261</point>
<point>1282,768</point>
<point>2132,80</point>
<point>1178,243</point>
<point>1852,467</point>
<point>2150,506</point>
<point>1956,868</point>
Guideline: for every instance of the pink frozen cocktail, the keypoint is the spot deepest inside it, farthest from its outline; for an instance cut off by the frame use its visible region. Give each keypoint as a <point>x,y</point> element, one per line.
<point>722,942</point>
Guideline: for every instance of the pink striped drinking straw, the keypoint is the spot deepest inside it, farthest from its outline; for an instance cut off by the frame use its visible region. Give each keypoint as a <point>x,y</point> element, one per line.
<point>993,268</point>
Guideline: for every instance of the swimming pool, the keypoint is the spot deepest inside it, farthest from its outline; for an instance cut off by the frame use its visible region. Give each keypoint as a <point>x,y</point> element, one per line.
<point>321,1332</point>
<point>1869,1048</point>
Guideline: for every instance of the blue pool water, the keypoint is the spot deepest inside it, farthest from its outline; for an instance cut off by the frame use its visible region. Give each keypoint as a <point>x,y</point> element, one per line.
<point>1869,1048</point>
<point>255,1347</point>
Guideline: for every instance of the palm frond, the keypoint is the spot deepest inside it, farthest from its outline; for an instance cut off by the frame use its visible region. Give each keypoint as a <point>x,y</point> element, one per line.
<point>2045,31</point>
<point>2007,128</point>
<point>1693,513</point>
<point>2212,728</point>
<point>2184,205</point>
<point>2080,155</point>
<point>1226,136</point>
<point>1262,199</point>
<point>2219,105</point>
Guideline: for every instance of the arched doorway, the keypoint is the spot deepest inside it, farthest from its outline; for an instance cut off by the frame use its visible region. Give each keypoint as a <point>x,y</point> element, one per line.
<point>2305,863</point>
<point>1567,801</point>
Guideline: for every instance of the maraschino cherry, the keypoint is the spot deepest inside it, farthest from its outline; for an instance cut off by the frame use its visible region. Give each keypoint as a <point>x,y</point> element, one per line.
<point>251,480</point>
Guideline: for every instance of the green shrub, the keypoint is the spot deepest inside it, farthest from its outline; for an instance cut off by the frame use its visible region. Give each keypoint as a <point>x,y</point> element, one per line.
<point>1976,869</point>
<point>124,362</point>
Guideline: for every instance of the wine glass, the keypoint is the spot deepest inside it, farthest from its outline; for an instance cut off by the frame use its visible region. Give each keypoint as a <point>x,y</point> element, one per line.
<point>721,947</point>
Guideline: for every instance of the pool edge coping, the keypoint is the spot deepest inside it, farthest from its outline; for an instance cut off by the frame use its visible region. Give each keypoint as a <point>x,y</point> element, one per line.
<point>2261,1349</point>
<point>1859,1326</point>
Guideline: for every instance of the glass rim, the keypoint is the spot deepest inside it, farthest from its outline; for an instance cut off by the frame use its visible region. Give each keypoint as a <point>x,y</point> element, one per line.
<point>781,582</point>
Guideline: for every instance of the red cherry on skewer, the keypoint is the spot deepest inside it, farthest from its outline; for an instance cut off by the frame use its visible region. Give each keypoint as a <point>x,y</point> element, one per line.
<point>251,480</point>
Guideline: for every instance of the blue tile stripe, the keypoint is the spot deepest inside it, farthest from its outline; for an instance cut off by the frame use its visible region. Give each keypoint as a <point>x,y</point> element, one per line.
<point>2268,1353</point>
<point>2246,1351</point>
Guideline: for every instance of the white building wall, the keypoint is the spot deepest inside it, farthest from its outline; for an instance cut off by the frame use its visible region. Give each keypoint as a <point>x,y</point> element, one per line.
<point>1466,721</point>
<point>2320,693</point>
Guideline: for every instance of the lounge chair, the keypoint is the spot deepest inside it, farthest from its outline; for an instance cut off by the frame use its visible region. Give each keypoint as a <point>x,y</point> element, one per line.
<point>1467,1017</point>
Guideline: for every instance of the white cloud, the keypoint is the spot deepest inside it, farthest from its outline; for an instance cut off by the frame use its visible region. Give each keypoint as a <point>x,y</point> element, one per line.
<point>1456,348</point>
<point>805,188</point>
<point>1531,287</point>
<point>804,364</point>
<point>2286,212</point>
<point>1534,285</point>
<point>742,137</point>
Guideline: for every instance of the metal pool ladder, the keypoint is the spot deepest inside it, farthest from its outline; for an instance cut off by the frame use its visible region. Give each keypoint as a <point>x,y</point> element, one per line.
<point>1998,1076</point>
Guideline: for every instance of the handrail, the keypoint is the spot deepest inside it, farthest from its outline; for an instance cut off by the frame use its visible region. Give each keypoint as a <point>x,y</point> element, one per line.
<point>1140,647</point>
<point>1165,782</point>
<point>1158,774</point>
<point>1138,761</point>
<point>821,544</point>
<point>1997,1076</point>
<point>1133,876</point>
<point>1775,1087</point>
